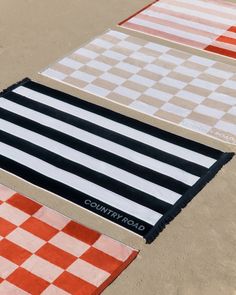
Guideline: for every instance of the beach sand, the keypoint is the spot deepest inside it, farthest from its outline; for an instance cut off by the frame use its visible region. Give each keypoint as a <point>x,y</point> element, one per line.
<point>196,253</point>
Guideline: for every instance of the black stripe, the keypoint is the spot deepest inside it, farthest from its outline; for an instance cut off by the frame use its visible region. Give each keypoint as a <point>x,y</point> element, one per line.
<point>70,194</point>
<point>154,131</point>
<point>98,153</point>
<point>100,179</point>
<point>130,143</point>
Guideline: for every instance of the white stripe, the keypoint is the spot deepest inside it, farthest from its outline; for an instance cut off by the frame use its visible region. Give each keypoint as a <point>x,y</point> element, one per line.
<point>216,7</point>
<point>102,143</point>
<point>182,21</point>
<point>92,163</point>
<point>170,30</point>
<point>81,184</point>
<point>193,12</point>
<point>119,128</point>
<point>227,46</point>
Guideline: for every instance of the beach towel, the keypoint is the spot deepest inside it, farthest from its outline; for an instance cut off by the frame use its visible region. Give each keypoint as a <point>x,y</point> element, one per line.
<point>45,252</point>
<point>129,172</point>
<point>204,24</point>
<point>187,90</point>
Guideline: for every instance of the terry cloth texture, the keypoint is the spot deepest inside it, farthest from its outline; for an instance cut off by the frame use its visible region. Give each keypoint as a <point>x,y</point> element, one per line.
<point>204,24</point>
<point>194,92</point>
<point>44,252</point>
<point>132,173</point>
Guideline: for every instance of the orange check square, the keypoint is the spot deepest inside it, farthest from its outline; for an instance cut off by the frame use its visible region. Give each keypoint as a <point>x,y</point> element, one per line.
<point>24,204</point>
<point>28,281</point>
<point>101,260</point>
<point>39,228</point>
<point>74,285</point>
<point>56,256</point>
<point>6,227</point>
<point>81,232</point>
<point>13,252</point>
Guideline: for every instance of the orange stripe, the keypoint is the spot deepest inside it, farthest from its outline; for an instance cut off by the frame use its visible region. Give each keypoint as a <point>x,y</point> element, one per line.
<point>221,51</point>
<point>226,40</point>
<point>232,29</point>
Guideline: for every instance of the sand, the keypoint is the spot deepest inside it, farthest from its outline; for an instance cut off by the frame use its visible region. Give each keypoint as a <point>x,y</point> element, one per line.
<point>196,253</point>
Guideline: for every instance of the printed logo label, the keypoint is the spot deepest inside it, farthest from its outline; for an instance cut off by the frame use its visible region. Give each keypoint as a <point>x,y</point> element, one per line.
<point>114,215</point>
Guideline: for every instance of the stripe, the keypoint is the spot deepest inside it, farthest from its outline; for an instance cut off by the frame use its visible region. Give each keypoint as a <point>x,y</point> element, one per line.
<point>96,153</point>
<point>67,192</point>
<point>229,34</point>
<point>95,140</point>
<point>161,34</point>
<point>102,160</point>
<point>92,163</point>
<point>123,134</point>
<point>200,28</point>
<point>226,39</point>
<point>197,24</point>
<point>134,128</point>
<point>219,28</point>
<point>92,176</point>
<point>172,23</point>
<point>191,9</point>
<point>143,21</point>
<point>232,29</point>
<point>222,51</point>
<point>81,185</point>
<point>223,45</point>
<point>213,7</point>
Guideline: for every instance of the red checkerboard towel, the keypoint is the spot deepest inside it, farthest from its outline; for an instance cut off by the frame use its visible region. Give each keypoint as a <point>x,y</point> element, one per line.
<point>44,252</point>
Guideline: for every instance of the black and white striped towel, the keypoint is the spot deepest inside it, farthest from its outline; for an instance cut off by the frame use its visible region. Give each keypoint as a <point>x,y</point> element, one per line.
<point>131,173</point>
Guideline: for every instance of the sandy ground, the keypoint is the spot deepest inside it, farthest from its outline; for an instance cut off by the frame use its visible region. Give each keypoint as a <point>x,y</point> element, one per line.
<point>196,253</point>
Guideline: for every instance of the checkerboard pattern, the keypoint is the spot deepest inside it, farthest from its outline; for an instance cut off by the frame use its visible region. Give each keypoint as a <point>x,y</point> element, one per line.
<point>205,24</point>
<point>44,252</point>
<point>187,90</point>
